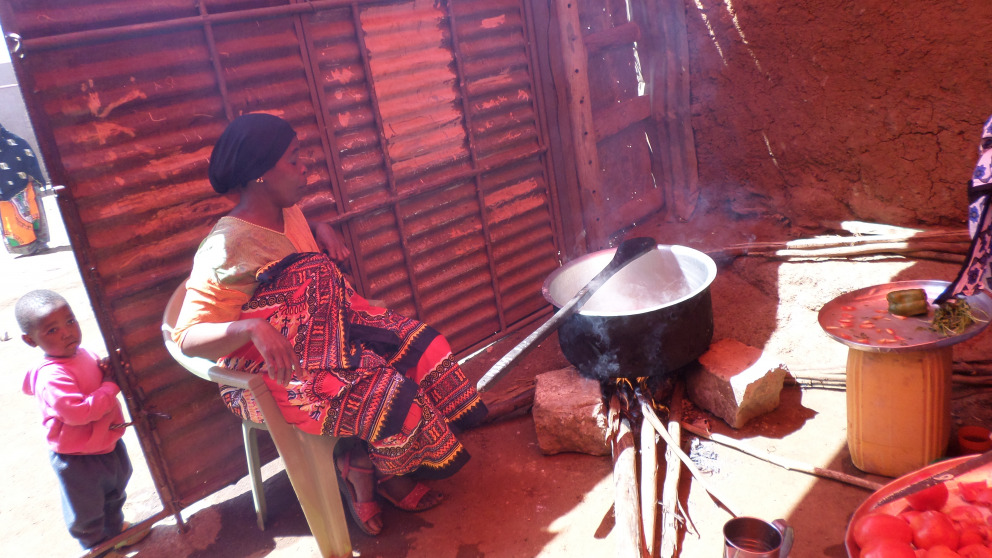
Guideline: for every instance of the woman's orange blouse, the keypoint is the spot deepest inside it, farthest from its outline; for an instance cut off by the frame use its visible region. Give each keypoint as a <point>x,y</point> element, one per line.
<point>224,267</point>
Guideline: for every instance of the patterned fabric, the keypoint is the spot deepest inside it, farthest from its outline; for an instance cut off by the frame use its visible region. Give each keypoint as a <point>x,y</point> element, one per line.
<point>18,165</point>
<point>366,372</point>
<point>25,226</point>
<point>976,268</point>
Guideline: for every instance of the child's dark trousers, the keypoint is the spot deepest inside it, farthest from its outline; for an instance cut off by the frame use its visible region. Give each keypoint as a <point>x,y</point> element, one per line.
<point>93,493</point>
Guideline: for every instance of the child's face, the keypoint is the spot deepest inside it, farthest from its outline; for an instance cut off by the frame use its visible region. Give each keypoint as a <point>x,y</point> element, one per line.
<point>57,332</point>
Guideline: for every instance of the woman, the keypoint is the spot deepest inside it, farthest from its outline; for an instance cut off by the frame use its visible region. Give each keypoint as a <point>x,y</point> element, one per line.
<point>974,273</point>
<point>25,229</point>
<point>261,279</point>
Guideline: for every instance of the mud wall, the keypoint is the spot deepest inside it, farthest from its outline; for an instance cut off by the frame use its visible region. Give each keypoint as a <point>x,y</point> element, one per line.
<point>821,110</point>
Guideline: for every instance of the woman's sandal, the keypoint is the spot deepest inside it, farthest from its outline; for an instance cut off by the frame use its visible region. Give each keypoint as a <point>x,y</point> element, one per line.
<point>361,512</point>
<point>414,500</point>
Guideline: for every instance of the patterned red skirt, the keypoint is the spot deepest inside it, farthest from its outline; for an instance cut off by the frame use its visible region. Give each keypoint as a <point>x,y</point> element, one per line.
<point>366,372</point>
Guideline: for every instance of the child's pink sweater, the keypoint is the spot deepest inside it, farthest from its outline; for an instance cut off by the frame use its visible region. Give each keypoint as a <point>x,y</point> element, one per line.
<point>77,406</point>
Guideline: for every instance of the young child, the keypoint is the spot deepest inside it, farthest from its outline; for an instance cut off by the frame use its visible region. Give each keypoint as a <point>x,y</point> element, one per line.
<point>85,421</point>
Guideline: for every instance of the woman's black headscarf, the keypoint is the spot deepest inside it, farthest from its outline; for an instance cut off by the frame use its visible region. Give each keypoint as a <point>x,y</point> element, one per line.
<point>250,146</point>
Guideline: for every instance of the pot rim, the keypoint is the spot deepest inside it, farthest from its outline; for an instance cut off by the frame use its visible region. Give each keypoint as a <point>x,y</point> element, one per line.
<point>676,249</point>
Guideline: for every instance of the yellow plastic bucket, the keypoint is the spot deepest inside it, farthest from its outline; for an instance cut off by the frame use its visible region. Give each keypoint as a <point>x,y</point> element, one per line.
<point>898,409</point>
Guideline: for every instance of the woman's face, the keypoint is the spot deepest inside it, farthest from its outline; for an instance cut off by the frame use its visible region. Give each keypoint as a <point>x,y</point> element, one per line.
<point>285,182</point>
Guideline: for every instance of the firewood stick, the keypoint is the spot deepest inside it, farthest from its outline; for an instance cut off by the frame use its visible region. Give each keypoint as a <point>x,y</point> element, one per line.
<point>673,471</point>
<point>649,487</point>
<point>830,241</point>
<point>942,243</point>
<point>866,228</point>
<point>783,462</point>
<point>848,246</point>
<point>827,380</point>
<point>518,398</point>
<point>971,393</point>
<point>974,361</point>
<point>723,255</point>
<point>971,380</point>
<point>655,422</point>
<point>816,384</point>
<point>973,368</point>
<point>630,542</point>
<point>866,249</point>
<point>821,377</point>
<point>841,381</point>
<point>833,370</point>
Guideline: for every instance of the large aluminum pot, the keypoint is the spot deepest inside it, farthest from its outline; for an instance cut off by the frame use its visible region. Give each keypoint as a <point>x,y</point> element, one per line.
<point>651,318</point>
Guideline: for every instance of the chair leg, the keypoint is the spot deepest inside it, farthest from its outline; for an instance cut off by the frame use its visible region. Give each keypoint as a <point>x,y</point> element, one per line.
<point>250,434</point>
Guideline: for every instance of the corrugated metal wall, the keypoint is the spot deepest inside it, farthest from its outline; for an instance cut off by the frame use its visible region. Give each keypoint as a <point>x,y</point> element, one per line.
<point>423,135</point>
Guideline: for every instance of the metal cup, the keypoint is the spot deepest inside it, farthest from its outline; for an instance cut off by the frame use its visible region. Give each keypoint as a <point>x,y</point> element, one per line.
<point>749,537</point>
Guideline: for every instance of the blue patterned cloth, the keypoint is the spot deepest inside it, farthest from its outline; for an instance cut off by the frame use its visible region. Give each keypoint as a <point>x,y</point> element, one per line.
<point>17,164</point>
<point>974,273</point>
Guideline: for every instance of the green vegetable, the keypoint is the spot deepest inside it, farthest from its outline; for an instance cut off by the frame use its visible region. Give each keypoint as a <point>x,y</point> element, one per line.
<point>911,308</point>
<point>906,295</point>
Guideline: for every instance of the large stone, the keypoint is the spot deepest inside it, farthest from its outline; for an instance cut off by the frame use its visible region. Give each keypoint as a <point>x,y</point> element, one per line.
<point>736,382</point>
<point>569,415</point>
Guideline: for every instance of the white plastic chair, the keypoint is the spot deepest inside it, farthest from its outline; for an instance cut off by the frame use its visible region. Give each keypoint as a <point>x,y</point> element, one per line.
<point>309,459</point>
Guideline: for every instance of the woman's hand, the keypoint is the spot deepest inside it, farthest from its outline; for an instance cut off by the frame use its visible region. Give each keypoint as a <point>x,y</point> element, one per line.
<point>214,340</point>
<point>280,358</point>
<point>331,242</point>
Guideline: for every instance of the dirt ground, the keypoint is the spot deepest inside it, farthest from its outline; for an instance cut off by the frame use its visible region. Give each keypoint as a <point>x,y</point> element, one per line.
<point>511,501</point>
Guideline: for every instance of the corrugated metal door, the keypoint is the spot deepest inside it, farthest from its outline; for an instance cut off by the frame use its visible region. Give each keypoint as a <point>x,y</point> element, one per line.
<point>625,67</point>
<point>421,123</point>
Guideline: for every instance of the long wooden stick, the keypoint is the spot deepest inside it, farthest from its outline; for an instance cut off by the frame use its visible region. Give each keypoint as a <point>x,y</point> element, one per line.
<point>973,393</point>
<point>867,228</point>
<point>626,509</point>
<point>848,251</point>
<point>649,487</point>
<point>971,380</point>
<point>965,368</point>
<point>941,245</point>
<point>833,241</point>
<point>673,471</point>
<point>784,462</point>
<point>655,422</point>
<point>840,382</point>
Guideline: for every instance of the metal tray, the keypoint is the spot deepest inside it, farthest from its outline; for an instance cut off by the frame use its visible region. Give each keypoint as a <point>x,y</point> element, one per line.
<point>860,319</point>
<point>981,474</point>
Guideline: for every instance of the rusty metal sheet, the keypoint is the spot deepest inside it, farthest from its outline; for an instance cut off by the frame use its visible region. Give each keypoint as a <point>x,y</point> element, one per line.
<point>419,126</point>
<point>37,18</point>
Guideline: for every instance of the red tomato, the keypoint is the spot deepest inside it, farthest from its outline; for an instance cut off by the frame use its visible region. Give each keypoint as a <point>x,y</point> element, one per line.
<point>941,552</point>
<point>878,525</point>
<point>970,490</point>
<point>971,535</point>
<point>985,498</point>
<point>932,498</point>
<point>966,515</point>
<point>975,551</point>
<point>908,515</point>
<point>932,528</point>
<point>888,548</point>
